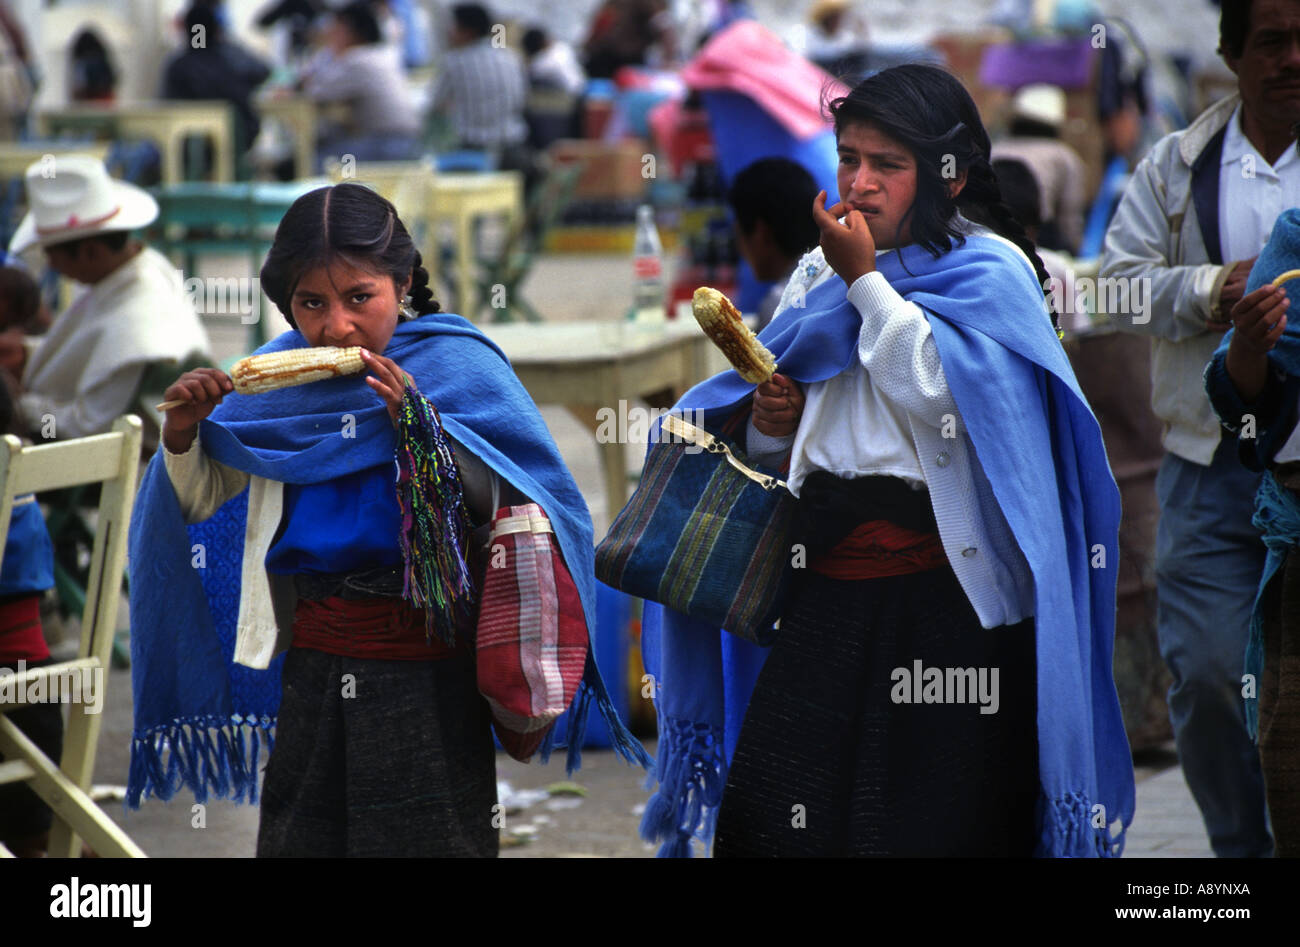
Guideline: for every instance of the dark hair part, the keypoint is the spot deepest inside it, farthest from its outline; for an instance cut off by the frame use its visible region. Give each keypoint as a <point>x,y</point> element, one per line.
<point>779,192</point>
<point>361,21</point>
<point>928,110</point>
<point>349,222</point>
<point>473,18</point>
<point>1234,27</point>
<point>113,240</point>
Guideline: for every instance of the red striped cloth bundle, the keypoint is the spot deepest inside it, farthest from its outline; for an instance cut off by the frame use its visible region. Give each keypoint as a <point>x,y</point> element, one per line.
<point>531,644</point>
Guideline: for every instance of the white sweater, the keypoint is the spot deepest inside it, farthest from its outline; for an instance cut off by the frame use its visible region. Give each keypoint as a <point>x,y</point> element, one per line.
<point>886,415</point>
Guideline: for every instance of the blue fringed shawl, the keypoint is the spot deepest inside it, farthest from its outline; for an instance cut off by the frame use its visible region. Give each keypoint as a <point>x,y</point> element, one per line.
<point>200,719</point>
<point>1041,448</point>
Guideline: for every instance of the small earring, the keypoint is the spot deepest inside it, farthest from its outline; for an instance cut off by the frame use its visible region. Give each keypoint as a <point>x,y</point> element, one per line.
<point>404,312</point>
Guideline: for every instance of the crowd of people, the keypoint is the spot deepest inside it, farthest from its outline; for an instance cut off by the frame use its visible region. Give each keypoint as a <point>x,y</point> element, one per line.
<point>953,503</point>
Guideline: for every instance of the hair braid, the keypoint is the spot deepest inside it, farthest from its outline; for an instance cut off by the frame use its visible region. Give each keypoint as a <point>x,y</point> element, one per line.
<point>422,300</point>
<point>981,200</point>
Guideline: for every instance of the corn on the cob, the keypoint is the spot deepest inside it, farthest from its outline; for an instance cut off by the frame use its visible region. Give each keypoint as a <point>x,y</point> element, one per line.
<point>259,373</point>
<point>721,322</point>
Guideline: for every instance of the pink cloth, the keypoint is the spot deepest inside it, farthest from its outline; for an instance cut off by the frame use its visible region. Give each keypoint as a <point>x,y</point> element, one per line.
<point>750,59</point>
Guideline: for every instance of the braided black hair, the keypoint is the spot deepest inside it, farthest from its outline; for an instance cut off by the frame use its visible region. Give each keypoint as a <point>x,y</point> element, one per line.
<point>422,300</point>
<point>929,111</point>
<point>347,221</point>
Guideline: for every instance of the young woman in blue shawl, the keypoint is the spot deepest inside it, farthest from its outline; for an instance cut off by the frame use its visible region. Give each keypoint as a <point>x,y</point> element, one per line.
<point>1253,381</point>
<point>941,681</point>
<point>383,743</point>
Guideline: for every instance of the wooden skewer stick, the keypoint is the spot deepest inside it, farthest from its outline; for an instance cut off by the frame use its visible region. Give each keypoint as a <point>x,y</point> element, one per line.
<point>168,405</point>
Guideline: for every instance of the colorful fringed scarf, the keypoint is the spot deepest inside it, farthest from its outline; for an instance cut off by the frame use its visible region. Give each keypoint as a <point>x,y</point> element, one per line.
<point>435,524</point>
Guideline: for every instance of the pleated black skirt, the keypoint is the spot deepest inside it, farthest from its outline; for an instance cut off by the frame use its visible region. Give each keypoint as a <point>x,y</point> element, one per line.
<point>836,757</point>
<point>395,760</point>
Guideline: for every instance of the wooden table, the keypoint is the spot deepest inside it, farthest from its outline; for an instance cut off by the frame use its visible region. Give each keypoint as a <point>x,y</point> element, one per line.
<point>166,123</point>
<point>459,198</point>
<point>595,369</point>
<point>15,159</point>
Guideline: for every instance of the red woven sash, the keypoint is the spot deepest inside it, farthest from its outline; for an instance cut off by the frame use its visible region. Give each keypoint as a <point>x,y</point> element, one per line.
<point>879,548</point>
<point>21,638</point>
<point>384,628</point>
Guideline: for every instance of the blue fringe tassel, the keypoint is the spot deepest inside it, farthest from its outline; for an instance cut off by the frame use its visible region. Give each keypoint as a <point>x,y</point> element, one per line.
<point>691,774</point>
<point>209,756</point>
<point>1068,831</point>
<point>592,687</point>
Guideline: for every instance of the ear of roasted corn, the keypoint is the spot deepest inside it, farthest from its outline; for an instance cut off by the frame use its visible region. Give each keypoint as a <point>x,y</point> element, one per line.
<point>721,322</point>
<point>259,373</point>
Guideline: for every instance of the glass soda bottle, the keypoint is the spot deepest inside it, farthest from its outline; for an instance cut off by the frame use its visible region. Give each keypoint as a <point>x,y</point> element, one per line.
<point>647,269</point>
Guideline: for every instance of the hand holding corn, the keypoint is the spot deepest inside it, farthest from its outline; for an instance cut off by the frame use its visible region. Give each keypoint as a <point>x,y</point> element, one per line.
<point>195,394</point>
<point>190,399</point>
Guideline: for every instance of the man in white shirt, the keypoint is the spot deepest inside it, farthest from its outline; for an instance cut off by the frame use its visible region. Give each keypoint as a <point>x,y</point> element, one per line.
<point>1196,213</point>
<point>134,312</point>
<point>482,86</point>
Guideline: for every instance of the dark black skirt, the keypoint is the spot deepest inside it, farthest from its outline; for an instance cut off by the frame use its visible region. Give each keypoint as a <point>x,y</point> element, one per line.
<point>404,767</point>
<point>836,756</point>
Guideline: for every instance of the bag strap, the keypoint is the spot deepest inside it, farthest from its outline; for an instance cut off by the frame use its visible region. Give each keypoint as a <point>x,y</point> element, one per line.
<point>532,520</point>
<point>691,434</point>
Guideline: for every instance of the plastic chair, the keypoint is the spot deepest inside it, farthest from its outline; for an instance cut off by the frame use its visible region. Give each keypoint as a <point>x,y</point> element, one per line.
<point>112,461</point>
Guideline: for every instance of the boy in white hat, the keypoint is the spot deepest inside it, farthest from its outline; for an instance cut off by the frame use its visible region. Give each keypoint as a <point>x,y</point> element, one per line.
<point>134,312</point>
<point>1034,139</point>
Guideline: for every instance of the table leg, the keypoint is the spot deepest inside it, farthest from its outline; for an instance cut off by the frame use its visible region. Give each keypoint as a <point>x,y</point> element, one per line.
<point>613,460</point>
<point>464,266</point>
<point>173,159</point>
<point>224,145</point>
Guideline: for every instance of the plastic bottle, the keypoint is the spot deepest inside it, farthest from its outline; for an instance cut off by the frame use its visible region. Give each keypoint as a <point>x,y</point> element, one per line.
<point>647,269</point>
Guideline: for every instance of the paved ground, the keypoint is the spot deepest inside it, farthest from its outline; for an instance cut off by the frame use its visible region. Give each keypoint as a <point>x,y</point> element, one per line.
<point>603,822</point>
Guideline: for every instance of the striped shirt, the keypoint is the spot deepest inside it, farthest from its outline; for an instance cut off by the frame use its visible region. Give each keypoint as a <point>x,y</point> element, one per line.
<point>483,88</point>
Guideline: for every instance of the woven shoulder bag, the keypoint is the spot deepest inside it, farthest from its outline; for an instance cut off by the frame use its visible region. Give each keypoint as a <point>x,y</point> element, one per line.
<point>705,533</point>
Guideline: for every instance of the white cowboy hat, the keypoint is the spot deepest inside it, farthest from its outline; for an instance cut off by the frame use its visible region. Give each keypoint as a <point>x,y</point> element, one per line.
<point>72,196</point>
<point>1040,102</point>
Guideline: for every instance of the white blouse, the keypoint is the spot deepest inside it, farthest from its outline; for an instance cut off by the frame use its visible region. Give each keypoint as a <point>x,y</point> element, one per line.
<point>891,413</point>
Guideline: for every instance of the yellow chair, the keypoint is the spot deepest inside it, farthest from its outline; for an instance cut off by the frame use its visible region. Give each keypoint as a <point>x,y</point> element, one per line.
<point>111,460</point>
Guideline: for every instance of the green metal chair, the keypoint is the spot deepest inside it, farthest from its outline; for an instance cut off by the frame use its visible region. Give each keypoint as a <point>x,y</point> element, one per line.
<point>203,219</point>
<point>524,241</point>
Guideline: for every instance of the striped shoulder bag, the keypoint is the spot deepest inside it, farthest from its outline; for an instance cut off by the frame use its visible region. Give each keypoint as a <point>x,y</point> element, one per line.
<point>706,533</point>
